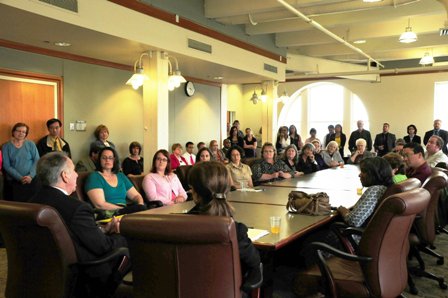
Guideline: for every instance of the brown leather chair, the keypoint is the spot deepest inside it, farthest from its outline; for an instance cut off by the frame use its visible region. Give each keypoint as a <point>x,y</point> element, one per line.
<point>424,230</point>
<point>42,261</point>
<point>80,183</point>
<point>183,255</point>
<point>137,181</point>
<point>379,269</point>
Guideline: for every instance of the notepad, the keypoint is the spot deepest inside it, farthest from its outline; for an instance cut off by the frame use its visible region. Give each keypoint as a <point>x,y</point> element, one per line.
<point>255,234</point>
<point>106,220</point>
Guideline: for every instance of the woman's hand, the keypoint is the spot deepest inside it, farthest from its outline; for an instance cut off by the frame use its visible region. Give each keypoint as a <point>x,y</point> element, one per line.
<point>343,211</point>
<point>179,199</point>
<point>26,179</point>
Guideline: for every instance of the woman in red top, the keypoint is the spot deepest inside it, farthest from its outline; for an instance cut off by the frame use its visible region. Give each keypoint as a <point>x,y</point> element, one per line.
<point>176,157</point>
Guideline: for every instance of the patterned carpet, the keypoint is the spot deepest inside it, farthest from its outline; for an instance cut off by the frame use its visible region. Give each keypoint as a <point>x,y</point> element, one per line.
<point>427,288</point>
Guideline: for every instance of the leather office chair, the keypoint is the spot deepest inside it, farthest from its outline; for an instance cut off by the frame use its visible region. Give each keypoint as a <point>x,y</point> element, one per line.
<point>42,261</point>
<point>424,230</point>
<point>182,173</point>
<point>80,183</point>
<point>183,255</point>
<point>379,269</point>
<point>137,181</point>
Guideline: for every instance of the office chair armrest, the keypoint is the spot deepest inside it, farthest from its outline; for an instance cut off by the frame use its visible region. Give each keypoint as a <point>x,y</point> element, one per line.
<point>118,252</point>
<point>253,279</point>
<point>320,246</point>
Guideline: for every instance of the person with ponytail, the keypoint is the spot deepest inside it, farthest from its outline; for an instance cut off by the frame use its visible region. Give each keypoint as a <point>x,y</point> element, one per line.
<point>210,183</point>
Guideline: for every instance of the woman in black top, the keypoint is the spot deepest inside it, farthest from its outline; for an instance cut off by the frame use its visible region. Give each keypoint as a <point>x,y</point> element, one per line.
<point>235,140</point>
<point>133,164</point>
<point>307,163</point>
<point>250,144</point>
<point>295,137</point>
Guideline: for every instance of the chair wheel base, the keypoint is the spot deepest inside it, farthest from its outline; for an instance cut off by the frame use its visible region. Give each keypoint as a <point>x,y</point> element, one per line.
<point>443,285</point>
<point>413,290</point>
<point>440,261</point>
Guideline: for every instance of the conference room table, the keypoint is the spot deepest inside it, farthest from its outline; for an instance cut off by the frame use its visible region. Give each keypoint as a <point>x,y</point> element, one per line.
<point>255,207</point>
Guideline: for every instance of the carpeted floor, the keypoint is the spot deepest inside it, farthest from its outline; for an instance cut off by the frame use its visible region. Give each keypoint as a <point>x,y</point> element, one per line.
<point>427,288</point>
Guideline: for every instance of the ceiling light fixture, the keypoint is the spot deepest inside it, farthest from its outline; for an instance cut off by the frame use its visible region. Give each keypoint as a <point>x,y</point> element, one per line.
<point>263,95</point>
<point>254,98</point>
<point>371,1</point>
<point>408,35</point>
<point>359,41</point>
<point>284,98</point>
<point>62,44</point>
<point>427,60</point>
<point>175,77</point>
<point>138,78</point>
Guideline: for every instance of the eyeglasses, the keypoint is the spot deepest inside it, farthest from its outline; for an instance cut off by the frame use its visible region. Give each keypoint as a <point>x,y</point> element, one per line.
<point>161,159</point>
<point>107,158</point>
<point>20,131</point>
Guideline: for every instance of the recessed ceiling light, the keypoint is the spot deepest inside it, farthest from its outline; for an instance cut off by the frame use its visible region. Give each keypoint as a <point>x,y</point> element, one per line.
<point>371,1</point>
<point>62,44</point>
<point>359,41</point>
<point>218,78</point>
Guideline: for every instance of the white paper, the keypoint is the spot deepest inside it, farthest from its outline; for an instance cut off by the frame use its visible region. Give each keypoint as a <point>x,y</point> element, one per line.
<point>255,234</point>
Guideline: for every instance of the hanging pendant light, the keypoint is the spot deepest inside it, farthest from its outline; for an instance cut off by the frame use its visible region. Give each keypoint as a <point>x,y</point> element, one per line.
<point>408,35</point>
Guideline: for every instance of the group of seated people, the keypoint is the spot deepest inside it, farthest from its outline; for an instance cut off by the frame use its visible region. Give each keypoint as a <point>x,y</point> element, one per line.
<point>213,175</point>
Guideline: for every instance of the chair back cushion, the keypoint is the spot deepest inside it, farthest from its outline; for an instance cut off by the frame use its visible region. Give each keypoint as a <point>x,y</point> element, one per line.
<point>425,225</point>
<point>39,249</point>
<point>385,239</point>
<point>137,181</point>
<point>406,185</point>
<point>182,173</point>
<point>183,255</point>
<point>80,183</point>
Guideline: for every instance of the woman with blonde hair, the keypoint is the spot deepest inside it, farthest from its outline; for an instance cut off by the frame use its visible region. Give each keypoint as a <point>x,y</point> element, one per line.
<point>102,135</point>
<point>331,155</point>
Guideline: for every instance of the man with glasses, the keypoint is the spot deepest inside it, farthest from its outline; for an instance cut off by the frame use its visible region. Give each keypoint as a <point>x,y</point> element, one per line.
<point>53,141</point>
<point>437,131</point>
<point>434,153</point>
<point>414,157</point>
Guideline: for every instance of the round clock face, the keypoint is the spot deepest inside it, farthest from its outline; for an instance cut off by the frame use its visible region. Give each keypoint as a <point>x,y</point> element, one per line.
<point>189,88</point>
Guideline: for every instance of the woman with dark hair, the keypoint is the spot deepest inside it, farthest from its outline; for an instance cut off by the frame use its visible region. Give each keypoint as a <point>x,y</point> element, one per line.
<point>204,154</point>
<point>250,144</point>
<point>108,188</point>
<point>133,164</point>
<point>161,184</point>
<point>412,136</point>
<point>102,134</point>
<point>234,138</point>
<point>398,166</point>
<point>307,162</point>
<point>340,138</point>
<point>283,139</point>
<point>270,168</point>
<point>210,184</point>
<point>240,173</point>
<point>20,158</point>
<point>291,158</point>
<point>376,175</point>
<point>295,137</point>
<point>312,137</point>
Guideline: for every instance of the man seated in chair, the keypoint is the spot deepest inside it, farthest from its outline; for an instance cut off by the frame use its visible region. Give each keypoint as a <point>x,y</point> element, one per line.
<point>56,173</point>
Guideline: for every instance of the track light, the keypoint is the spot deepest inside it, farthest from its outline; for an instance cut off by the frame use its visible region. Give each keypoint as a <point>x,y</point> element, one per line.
<point>138,78</point>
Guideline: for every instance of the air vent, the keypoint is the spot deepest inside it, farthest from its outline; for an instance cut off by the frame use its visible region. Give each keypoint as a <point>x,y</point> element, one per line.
<point>270,68</point>
<point>200,46</point>
<point>71,5</point>
<point>443,31</point>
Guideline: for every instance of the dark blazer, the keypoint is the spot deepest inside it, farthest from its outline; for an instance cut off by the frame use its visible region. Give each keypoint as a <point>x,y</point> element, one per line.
<point>90,242</point>
<point>442,133</point>
<point>389,145</point>
<point>365,134</point>
<point>416,139</point>
<point>44,149</point>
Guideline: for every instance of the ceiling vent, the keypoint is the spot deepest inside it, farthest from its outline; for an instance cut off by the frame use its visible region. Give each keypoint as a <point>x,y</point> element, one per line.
<point>444,31</point>
<point>71,5</point>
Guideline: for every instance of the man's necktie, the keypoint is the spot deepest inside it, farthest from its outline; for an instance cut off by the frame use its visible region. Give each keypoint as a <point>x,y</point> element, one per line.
<point>191,160</point>
<point>57,145</point>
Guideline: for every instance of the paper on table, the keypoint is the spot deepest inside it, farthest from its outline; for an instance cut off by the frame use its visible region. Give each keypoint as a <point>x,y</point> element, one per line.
<point>255,234</point>
<point>250,190</point>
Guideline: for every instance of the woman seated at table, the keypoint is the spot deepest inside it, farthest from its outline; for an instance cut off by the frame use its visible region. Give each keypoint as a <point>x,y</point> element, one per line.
<point>217,153</point>
<point>108,188</point>
<point>210,184</point>
<point>240,173</point>
<point>331,155</point>
<point>234,138</point>
<point>161,184</point>
<point>317,154</point>
<point>204,154</point>
<point>398,166</point>
<point>102,134</point>
<point>376,175</point>
<point>176,158</point>
<point>360,153</point>
<point>133,164</point>
<point>307,162</point>
<point>270,168</point>
<point>291,159</point>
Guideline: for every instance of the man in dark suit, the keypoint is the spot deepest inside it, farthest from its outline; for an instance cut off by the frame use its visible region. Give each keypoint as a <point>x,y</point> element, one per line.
<point>53,141</point>
<point>56,173</point>
<point>437,131</point>
<point>385,141</point>
<point>360,133</point>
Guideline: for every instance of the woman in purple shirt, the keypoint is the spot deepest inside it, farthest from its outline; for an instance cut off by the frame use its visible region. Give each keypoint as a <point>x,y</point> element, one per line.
<point>161,184</point>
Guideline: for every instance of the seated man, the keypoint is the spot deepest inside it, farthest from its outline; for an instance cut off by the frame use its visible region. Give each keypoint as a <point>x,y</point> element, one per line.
<point>53,141</point>
<point>414,158</point>
<point>57,176</point>
<point>434,153</point>
<point>88,164</point>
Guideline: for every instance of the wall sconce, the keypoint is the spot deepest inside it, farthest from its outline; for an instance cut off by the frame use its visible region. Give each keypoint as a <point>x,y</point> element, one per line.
<point>408,36</point>
<point>284,98</point>
<point>175,77</point>
<point>138,78</point>
<point>254,98</point>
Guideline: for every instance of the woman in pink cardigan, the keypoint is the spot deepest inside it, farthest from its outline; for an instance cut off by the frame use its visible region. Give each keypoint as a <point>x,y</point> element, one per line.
<point>161,184</point>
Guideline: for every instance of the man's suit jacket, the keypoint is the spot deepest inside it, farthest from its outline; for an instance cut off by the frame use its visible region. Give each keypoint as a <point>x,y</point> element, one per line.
<point>364,134</point>
<point>442,133</point>
<point>389,145</point>
<point>90,242</point>
<point>416,139</point>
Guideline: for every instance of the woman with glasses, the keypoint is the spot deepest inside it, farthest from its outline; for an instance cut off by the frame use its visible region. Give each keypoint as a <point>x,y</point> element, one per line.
<point>161,184</point>
<point>108,188</point>
<point>20,157</point>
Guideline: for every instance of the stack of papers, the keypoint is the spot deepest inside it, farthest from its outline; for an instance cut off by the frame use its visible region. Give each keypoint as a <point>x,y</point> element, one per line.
<point>250,190</point>
<point>255,234</point>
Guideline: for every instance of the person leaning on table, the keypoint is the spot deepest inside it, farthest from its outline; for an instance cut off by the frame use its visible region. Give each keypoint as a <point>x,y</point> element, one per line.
<point>270,168</point>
